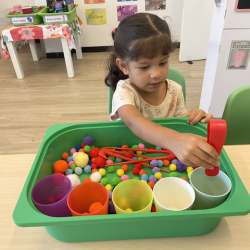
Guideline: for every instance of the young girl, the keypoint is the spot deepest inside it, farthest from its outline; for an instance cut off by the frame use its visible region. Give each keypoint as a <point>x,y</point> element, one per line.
<point>138,69</point>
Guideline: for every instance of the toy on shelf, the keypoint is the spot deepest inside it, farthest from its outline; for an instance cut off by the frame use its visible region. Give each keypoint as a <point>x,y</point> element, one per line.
<point>17,9</point>
<point>69,4</point>
<point>27,9</point>
<point>59,8</point>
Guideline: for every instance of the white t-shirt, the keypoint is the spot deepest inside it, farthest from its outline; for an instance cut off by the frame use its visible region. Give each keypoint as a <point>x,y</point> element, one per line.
<point>172,106</point>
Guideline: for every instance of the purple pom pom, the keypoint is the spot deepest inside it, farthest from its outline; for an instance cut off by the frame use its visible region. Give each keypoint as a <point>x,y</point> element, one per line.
<point>181,167</point>
<point>110,195</point>
<point>175,161</point>
<point>111,208</point>
<point>88,140</point>
<point>155,170</point>
<point>152,178</point>
<point>154,163</point>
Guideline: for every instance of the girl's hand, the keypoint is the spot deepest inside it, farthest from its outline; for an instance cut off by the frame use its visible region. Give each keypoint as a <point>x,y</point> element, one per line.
<point>193,150</point>
<point>195,115</point>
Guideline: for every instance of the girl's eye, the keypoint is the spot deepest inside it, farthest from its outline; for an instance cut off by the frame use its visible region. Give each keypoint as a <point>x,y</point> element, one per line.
<point>144,67</point>
<point>163,63</point>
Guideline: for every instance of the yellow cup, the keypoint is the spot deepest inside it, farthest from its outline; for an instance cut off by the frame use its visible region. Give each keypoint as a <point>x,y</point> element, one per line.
<point>132,194</point>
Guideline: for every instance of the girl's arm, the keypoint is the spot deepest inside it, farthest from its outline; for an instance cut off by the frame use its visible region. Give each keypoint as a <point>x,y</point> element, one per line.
<point>190,149</point>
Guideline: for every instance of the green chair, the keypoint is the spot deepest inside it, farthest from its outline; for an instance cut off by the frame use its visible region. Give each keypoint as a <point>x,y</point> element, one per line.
<point>237,116</point>
<point>173,74</point>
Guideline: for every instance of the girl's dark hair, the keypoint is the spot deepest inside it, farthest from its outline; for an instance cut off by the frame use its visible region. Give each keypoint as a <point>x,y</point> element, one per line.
<point>142,34</point>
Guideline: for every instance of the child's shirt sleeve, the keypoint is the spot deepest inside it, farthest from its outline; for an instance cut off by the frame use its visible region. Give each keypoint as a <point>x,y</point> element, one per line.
<point>180,104</point>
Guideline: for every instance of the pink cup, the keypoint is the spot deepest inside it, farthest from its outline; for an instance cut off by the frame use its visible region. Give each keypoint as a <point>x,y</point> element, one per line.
<point>18,8</point>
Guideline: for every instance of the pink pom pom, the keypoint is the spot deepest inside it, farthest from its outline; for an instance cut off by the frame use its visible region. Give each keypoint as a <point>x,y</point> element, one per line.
<point>141,146</point>
<point>161,178</point>
<point>109,162</point>
<point>124,178</point>
<point>71,163</point>
<point>72,151</point>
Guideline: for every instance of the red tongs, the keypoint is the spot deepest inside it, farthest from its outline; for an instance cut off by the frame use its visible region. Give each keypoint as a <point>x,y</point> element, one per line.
<point>216,136</point>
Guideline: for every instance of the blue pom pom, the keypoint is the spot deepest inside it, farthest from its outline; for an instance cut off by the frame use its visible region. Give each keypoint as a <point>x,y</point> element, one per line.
<point>69,171</point>
<point>118,159</point>
<point>134,158</point>
<point>118,147</point>
<point>158,148</point>
<point>70,158</point>
<point>78,147</point>
<point>88,140</point>
<point>89,163</point>
<point>144,177</point>
<point>87,169</point>
<point>154,163</point>
<point>78,170</point>
<point>175,161</point>
<point>152,178</point>
<point>160,163</point>
<point>155,170</point>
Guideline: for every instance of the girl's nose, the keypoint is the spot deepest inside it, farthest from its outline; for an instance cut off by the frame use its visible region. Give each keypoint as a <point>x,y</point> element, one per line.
<point>155,73</point>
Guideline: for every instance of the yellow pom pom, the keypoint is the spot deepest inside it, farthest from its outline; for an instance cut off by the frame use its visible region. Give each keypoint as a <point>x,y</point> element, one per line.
<point>189,169</point>
<point>102,171</point>
<point>139,152</point>
<point>144,181</point>
<point>189,173</point>
<point>129,210</point>
<point>158,175</point>
<point>172,167</point>
<point>120,172</point>
<point>81,159</point>
<point>109,187</point>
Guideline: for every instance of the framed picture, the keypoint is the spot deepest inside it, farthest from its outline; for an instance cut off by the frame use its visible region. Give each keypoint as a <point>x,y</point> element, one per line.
<point>242,5</point>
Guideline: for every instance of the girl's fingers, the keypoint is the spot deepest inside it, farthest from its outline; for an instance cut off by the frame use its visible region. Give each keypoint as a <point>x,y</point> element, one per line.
<point>207,148</point>
<point>192,117</point>
<point>207,158</point>
<point>207,118</point>
<point>196,161</point>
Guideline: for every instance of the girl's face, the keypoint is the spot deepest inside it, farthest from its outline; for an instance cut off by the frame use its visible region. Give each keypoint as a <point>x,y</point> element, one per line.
<point>147,75</point>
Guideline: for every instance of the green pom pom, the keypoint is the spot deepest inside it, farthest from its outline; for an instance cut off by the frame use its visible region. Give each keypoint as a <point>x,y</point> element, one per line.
<point>115,181</point>
<point>135,146</point>
<point>173,174</point>
<point>87,148</point>
<point>136,178</point>
<point>112,158</point>
<point>140,158</point>
<point>92,146</point>
<point>111,169</point>
<point>105,181</point>
<point>73,167</point>
<point>153,201</point>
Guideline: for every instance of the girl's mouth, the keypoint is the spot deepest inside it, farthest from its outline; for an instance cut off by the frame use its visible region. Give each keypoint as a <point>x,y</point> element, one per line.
<point>155,85</point>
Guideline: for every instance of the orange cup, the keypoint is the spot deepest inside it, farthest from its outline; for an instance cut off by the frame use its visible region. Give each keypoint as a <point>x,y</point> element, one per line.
<point>84,195</point>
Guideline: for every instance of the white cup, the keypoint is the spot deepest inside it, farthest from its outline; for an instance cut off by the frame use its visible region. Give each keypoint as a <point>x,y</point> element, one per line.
<point>210,191</point>
<point>173,194</point>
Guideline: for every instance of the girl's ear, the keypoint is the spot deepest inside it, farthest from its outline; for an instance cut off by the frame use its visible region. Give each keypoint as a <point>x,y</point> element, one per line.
<point>122,66</point>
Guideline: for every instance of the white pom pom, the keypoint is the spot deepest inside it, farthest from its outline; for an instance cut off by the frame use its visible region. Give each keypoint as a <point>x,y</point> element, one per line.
<point>75,181</point>
<point>96,177</point>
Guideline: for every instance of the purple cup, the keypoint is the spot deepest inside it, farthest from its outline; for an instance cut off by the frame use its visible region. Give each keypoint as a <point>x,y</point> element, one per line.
<point>50,195</point>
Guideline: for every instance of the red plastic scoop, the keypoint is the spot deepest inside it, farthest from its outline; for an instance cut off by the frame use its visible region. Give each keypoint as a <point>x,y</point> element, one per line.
<point>216,136</point>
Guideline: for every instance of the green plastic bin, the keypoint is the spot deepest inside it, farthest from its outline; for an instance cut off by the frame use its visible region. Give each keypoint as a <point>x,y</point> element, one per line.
<point>27,19</point>
<point>59,18</point>
<point>61,138</point>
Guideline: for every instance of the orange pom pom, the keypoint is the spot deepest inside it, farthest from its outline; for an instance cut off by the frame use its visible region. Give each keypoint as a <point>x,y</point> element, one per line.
<point>142,172</point>
<point>95,207</point>
<point>86,180</point>
<point>124,146</point>
<point>125,168</point>
<point>85,213</point>
<point>65,155</point>
<point>166,163</point>
<point>81,150</point>
<point>57,173</point>
<point>94,170</point>
<point>93,160</point>
<point>151,184</point>
<point>60,166</point>
<point>184,178</point>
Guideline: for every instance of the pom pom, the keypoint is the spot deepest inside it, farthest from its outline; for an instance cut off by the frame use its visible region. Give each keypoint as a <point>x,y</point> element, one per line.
<point>60,166</point>
<point>139,152</point>
<point>115,181</point>
<point>81,159</point>
<point>94,152</point>
<point>87,169</point>
<point>189,173</point>
<point>57,173</point>
<point>158,148</point>
<point>72,151</point>
<point>81,150</point>
<point>69,171</point>
<point>96,177</point>
<point>151,184</point>
<point>135,146</point>
<point>69,159</point>
<point>94,170</point>
<point>111,169</point>
<point>89,163</point>
<point>166,163</point>
<point>172,167</point>
<point>65,156</point>
<point>153,209</point>
<point>110,195</point>
<point>136,171</point>
<point>124,146</point>
<point>154,163</point>
<point>93,166</point>
<point>105,181</point>
<point>152,178</point>
<point>88,140</point>
<point>141,146</point>
<point>142,172</point>
<point>96,206</point>
<point>78,170</point>
<point>78,147</point>
<point>160,163</point>
<point>144,181</point>
<point>144,177</point>
<point>93,160</point>
<point>174,174</point>
<point>100,162</point>
<point>73,166</point>
<point>155,170</point>
<point>120,172</point>
<point>136,178</point>
<point>111,208</point>
<point>175,161</point>
<point>124,178</point>
<point>129,154</point>
<point>109,162</point>
<point>189,169</point>
<point>87,148</point>
<point>83,145</point>
<point>74,179</point>
<point>112,158</point>
<point>181,167</point>
<point>109,187</point>
<point>74,155</point>
<point>184,178</point>
<point>138,165</point>
<point>125,168</point>
<point>86,180</point>
<point>118,147</point>
<point>158,175</point>
<point>118,159</point>
<point>134,158</point>
<point>130,210</point>
<point>102,171</point>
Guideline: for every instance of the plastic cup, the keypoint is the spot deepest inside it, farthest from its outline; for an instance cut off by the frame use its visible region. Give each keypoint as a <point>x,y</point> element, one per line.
<point>173,194</point>
<point>210,191</point>
<point>132,194</point>
<point>50,195</point>
<point>84,195</point>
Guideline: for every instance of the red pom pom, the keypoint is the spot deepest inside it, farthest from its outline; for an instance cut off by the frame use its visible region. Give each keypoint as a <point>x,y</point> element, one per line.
<point>57,173</point>
<point>153,209</point>
<point>83,145</point>
<point>100,162</point>
<point>136,171</point>
<point>65,155</point>
<point>142,172</point>
<point>138,165</point>
<point>152,149</point>
<point>94,152</point>
<point>129,154</point>
<point>93,165</point>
